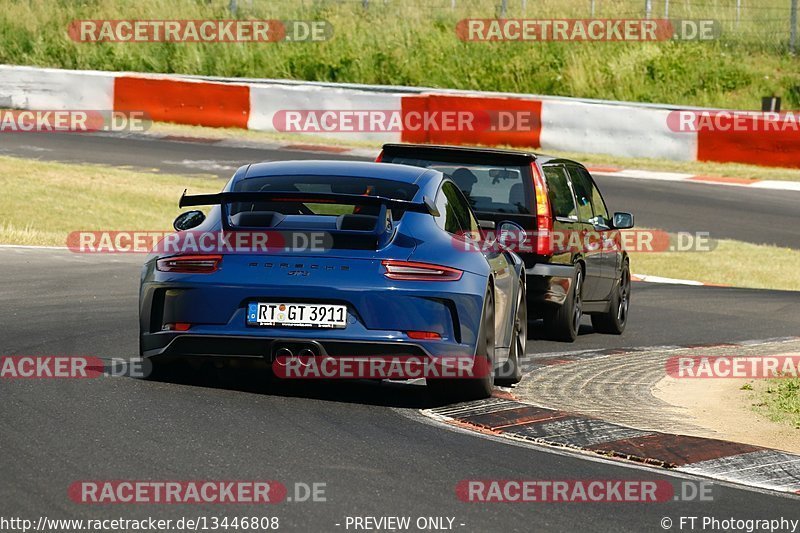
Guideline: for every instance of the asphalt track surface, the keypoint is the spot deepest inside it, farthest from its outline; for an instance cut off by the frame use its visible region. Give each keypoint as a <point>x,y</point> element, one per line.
<point>366,441</point>
<point>757,216</point>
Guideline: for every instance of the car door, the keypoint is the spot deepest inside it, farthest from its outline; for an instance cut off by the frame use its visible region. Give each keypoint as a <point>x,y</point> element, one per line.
<point>589,238</point>
<point>612,252</point>
<point>459,219</point>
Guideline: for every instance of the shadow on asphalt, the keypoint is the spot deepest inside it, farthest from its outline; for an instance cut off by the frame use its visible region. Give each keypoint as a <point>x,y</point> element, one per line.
<point>537,331</point>
<point>262,381</point>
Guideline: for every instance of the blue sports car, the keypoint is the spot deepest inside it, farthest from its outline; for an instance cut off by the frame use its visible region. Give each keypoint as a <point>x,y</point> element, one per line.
<point>361,260</point>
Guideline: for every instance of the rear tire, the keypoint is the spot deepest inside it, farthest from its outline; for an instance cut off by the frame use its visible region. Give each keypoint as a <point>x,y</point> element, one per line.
<point>563,323</point>
<point>615,319</point>
<point>464,389</point>
<point>511,372</point>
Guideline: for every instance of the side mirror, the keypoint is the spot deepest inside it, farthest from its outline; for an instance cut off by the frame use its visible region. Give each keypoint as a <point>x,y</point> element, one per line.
<point>486,224</point>
<point>623,220</point>
<point>188,220</point>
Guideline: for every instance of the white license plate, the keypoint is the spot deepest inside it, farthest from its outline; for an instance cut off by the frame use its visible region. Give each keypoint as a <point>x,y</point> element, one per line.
<point>297,315</point>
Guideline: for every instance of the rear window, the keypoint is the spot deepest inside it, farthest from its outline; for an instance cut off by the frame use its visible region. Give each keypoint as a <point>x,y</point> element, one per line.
<point>488,188</point>
<point>561,198</point>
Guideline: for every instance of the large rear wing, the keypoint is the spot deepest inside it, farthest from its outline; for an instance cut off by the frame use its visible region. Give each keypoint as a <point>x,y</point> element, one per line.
<point>425,206</point>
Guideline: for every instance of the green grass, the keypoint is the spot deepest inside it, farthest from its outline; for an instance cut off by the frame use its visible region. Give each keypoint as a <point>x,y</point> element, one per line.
<point>44,202</point>
<point>781,400</point>
<point>736,263</point>
<point>413,42</point>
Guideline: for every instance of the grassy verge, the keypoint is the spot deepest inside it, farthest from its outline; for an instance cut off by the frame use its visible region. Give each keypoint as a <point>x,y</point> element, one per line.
<point>43,202</point>
<point>413,42</point>
<point>779,400</point>
<point>734,263</point>
<point>733,170</point>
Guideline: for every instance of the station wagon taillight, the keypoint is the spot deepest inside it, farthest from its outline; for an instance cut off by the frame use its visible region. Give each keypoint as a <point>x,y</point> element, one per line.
<point>190,264</point>
<point>413,271</point>
<point>379,158</point>
<point>544,215</point>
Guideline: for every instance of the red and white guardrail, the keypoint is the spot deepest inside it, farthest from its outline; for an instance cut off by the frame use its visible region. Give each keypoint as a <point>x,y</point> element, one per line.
<point>577,125</point>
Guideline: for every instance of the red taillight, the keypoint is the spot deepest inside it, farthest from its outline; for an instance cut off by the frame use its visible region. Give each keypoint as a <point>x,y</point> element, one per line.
<point>190,264</point>
<point>379,158</point>
<point>411,271</point>
<point>544,216</point>
<point>424,335</point>
<point>178,326</point>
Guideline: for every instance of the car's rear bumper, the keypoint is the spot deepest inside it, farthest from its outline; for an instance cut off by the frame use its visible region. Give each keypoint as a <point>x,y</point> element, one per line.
<point>548,284</point>
<point>179,344</point>
<point>378,310</point>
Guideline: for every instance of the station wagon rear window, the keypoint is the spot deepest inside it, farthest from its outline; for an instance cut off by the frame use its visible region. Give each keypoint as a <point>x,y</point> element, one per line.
<point>489,188</point>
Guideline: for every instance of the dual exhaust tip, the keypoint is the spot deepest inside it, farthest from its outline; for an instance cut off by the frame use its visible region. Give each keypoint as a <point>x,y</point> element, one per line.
<point>284,355</point>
